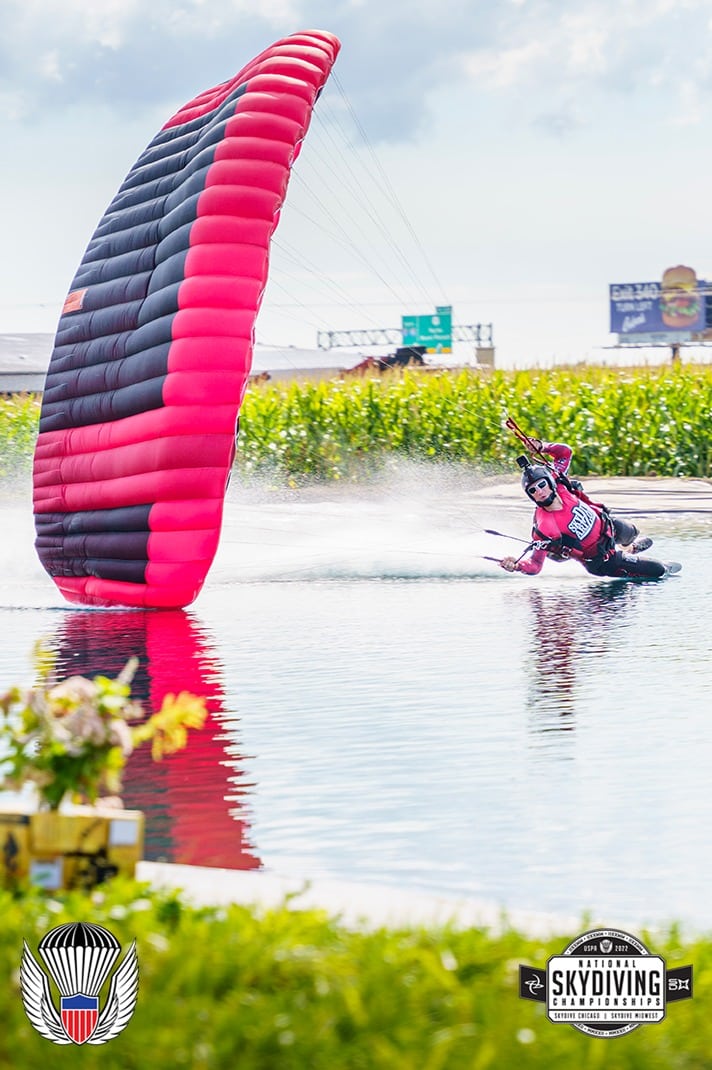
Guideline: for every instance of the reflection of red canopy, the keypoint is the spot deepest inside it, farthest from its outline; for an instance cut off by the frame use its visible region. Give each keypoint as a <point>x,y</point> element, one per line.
<point>185,796</point>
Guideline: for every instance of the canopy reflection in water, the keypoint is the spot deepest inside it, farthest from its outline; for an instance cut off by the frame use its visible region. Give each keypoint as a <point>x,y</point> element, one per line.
<point>194,801</point>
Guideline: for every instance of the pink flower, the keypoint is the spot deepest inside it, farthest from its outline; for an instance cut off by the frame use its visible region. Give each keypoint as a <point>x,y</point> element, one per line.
<point>85,726</point>
<point>120,736</point>
<point>73,692</point>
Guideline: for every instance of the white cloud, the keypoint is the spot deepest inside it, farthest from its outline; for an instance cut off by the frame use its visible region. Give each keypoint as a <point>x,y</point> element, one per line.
<point>13,107</point>
<point>49,66</point>
<point>547,56</point>
<point>690,108</point>
<point>507,67</point>
<point>587,43</point>
<point>132,55</point>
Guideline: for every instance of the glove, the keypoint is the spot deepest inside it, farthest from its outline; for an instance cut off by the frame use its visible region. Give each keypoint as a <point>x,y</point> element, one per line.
<point>509,564</point>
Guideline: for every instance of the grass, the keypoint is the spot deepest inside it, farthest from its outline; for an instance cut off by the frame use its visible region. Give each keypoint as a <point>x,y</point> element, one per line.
<point>295,990</point>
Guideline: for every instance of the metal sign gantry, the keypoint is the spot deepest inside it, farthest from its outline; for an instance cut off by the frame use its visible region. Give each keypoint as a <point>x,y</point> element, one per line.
<point>480,334</point>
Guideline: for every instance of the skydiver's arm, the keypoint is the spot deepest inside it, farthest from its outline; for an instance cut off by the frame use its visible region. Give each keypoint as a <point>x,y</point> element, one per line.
<point>530,567</point>
<point>561,456</point>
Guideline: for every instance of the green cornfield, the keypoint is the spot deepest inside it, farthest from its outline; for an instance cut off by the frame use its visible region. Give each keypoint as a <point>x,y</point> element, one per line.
<point>645,421</point>
<point>18,430</point>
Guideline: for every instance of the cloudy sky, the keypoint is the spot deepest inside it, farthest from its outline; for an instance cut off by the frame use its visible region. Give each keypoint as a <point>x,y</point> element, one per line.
<point>509,158</point>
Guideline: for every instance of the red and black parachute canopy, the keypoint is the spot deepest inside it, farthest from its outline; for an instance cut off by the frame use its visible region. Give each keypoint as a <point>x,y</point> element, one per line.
<point>154,346</point>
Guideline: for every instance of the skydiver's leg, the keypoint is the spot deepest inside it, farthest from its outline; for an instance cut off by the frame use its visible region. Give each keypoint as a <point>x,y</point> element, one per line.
<point>624,532</point>
<point>627,536</point>
<point>622,565</point>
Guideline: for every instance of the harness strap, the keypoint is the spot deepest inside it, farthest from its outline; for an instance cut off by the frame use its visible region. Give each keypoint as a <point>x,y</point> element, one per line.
<point>578,491</point>
<point>606,545</point>
<point>557,548</point>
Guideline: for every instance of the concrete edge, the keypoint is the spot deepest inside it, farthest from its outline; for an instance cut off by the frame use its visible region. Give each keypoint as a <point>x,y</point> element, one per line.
<point>353,904</point>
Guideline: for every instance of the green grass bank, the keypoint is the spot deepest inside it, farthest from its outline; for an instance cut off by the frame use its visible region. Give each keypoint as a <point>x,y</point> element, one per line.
<point>296,990</point>
<point>646,421</point>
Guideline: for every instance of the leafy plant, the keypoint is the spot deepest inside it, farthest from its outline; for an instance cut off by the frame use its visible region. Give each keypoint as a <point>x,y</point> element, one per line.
<point>72,739</point>
<point>646,421</point>
<point>620,421</point>
<point>294,989</point>
<point>19,421</point>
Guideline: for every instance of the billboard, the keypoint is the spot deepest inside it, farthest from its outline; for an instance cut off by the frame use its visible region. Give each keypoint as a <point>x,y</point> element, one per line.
<point>675,304</point>
<point>433,332</point>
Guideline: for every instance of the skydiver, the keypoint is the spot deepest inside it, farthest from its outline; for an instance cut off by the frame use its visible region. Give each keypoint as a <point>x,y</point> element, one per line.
<point>567,524</point>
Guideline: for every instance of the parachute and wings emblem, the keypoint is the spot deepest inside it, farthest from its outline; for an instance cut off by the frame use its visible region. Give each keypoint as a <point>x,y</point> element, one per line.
<point>79,958</point>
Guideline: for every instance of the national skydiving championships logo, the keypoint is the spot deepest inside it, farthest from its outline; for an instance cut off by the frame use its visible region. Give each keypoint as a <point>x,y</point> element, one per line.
<point>606,983</point>
<point>79,958</point>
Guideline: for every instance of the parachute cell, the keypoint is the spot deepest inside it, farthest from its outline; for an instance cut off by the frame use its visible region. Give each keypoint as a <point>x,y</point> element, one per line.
<point>154,345</point>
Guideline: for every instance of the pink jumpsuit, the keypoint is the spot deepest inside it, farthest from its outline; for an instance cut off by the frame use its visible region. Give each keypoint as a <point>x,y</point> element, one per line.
<point>582,531</point>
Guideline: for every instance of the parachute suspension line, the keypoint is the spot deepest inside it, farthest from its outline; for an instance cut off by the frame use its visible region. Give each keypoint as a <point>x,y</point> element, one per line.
<point>394,196</point>
<point>332,176</point>
<point>355,188</point>
<point>339,236</point>
<point>534,451</point>
<point>308,268</point>
<point>291,282</point>
<point>295,256</point>
<point>307,313</point>
<point>370,212</point>
<point>326,124</point>
<point>317,278</point>
<point>347,244</point>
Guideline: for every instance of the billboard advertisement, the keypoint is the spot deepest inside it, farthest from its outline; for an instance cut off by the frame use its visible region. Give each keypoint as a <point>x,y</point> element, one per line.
<point>676,303</point>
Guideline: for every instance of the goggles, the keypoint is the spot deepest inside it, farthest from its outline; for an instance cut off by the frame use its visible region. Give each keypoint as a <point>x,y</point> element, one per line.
<point>541,484</point>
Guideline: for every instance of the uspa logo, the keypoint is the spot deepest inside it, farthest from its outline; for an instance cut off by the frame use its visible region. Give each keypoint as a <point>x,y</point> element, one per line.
<point>79,958</point>
<point>606,983</point>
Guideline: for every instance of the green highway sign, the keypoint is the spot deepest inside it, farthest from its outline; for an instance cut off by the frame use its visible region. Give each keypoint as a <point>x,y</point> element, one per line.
<point>433,332</point>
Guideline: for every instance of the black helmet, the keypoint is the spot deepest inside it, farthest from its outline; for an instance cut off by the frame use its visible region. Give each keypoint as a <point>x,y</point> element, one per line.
<point>534,473</point>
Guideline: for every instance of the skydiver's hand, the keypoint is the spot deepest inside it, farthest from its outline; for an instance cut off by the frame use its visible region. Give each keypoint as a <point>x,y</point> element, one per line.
<point>509,564</point>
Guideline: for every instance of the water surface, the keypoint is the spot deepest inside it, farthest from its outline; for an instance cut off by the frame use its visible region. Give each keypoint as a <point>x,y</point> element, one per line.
<point>387,707</point>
